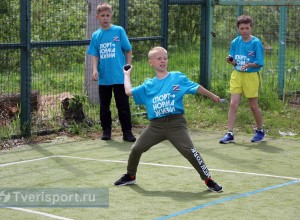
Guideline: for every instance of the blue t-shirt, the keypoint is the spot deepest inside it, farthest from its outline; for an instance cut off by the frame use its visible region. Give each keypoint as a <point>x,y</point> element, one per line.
<point>163,97</point>
<point>109,45</point>
<point>247,52</point>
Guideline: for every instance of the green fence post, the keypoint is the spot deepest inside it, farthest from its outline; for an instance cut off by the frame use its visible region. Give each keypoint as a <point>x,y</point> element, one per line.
<point>25,67</point>
<point>206,44</point>
<point>282,50</point>
<point>164,23</point>
<point>239,11</point>
<point>123,13</point>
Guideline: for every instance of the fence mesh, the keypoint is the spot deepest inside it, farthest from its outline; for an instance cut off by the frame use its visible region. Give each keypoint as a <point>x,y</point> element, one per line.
<point>59,72</point>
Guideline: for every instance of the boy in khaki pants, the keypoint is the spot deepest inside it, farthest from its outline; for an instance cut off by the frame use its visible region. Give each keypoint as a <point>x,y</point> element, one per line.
<point>163,98</point>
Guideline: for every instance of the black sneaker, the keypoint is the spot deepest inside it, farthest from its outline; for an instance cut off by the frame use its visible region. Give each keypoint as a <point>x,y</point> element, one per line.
<point>128,136</point>
<point>125,180</point>
<point>106,135</point>
<point>213,186</point>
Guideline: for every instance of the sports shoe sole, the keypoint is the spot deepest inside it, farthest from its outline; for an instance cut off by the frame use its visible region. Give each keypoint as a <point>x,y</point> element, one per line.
<point>226,142</point>
<point>127,183</point>
<point>212,190</point>
<point>253,141</point>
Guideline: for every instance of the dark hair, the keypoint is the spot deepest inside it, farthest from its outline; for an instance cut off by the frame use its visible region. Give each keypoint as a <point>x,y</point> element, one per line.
<point>244,19</point>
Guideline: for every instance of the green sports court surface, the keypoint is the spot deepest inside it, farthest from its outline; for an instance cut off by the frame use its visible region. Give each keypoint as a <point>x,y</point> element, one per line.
<point>260,180</point>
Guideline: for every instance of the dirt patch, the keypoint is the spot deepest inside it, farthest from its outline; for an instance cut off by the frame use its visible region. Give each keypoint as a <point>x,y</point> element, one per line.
<point>51,105</point>
<point>295,102</point>
<point>37,139</point>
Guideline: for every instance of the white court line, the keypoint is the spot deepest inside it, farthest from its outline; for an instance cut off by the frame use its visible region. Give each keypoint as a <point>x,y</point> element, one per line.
<point>121,161</point>
<point>28,210</point>
<point>256,174</point>
<point>150,164</point>
<point>40,213</point>
<point>183,167</point>
<point>25,161</point>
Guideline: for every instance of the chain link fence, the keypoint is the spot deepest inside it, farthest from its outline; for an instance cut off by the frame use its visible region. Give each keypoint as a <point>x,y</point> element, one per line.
<point>59,33</point>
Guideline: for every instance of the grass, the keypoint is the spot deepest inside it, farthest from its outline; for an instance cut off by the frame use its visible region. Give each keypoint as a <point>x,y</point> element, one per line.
<point>200,112</point>
<point>251,174</point>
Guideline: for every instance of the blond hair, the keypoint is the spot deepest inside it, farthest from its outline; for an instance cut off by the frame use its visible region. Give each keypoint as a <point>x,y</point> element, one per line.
<point>154,50</point>
<point>103,7</point>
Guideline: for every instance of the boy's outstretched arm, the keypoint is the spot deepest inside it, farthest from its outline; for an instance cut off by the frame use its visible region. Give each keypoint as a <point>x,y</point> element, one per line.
<point>201,90</point>
<point>127,83</point>
<point>128,57</point>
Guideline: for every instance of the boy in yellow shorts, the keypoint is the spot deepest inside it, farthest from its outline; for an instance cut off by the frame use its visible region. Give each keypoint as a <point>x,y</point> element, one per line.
<point>246,54</point>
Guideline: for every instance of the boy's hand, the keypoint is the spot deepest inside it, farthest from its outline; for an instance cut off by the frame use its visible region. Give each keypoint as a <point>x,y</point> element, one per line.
<point>244,68</point>
<point>230,60</point>
<point>95,76</point>
<point>127,69</point>
<point>216,98</point>
<point>127,84</point>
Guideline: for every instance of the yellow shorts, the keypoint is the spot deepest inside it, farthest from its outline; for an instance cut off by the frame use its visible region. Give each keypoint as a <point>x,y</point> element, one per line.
<point>243,82</point>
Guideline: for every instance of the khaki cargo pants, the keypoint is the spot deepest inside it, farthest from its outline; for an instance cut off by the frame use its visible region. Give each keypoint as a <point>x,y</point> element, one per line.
<point>172,128</point>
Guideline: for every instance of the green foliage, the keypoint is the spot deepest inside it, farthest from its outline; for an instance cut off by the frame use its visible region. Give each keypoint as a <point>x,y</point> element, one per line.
<point>184,25</point>
<point>9,20</point>
<point>60,69</point>
<point>54,20</point>
<point>9,33</point>
<point>75,128</point>
<point>10,128</point>
<point>77,101</point>
<point>143,26</point>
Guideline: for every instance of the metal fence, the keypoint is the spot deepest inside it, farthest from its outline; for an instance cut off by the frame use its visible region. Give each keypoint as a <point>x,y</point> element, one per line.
<point>43,50</point>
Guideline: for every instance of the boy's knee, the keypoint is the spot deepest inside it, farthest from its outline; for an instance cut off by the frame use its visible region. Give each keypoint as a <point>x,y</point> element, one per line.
<point>254,108</point>
<point>234,105</point>
<point>136,150</point>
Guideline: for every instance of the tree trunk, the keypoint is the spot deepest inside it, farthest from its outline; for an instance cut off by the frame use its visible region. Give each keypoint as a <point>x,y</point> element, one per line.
<point>91,86</point>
